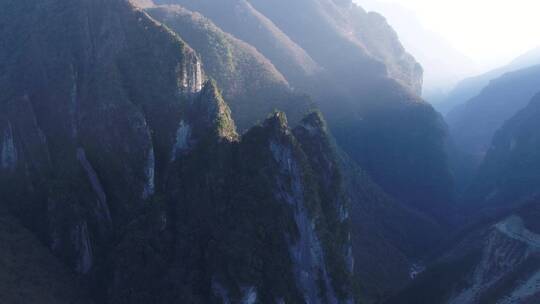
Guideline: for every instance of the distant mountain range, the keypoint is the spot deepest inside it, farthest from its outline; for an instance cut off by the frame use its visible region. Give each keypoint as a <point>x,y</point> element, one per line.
<point>472,86</point>
<point>474,123</point>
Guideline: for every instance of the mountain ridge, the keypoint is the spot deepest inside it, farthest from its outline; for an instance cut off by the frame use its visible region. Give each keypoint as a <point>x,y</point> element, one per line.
<point>124,159</point>
<point>472,86</point>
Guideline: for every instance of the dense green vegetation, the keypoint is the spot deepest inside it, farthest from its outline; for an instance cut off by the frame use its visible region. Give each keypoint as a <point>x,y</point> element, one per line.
<point>251,84</point>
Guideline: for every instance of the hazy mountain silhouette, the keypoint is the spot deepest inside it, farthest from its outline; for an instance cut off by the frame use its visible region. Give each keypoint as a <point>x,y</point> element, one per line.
<point>509,172</point>
<point>472,86</point>
<point>443,65</point>
<point>474,123</point>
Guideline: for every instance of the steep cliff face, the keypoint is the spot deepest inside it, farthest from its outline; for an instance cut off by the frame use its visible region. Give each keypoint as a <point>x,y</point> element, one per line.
<point>404,135</point>
<point>250,82</point>
<point>313,136</point>
<point>388,240</point>
<point>496,261</point>
<point>87,120</point>
<point>126,162</point>
<point>365,90</point>
<point>252,228</point>
<point>509,172</point>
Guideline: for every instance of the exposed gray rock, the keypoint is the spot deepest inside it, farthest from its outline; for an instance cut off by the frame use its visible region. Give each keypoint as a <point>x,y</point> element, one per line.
<point>102,208</point>
<point>8,152</point>
<point>82,244</point>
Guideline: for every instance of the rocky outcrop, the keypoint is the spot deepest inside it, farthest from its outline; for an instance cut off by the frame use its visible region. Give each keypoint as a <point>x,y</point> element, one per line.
<point>367,93</point>
<point>387,242</point>
<point>361,96</point>
<point>8,153</point>
<point>85,140</point>
<point>260,208</point>
<point>126,162</point>
<point>306,251</point>
<point>366,90</point>
<point>495,261</point>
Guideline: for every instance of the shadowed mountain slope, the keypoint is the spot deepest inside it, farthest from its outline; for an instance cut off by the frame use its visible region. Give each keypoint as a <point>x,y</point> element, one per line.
<point>28,271</point>
<point>473,124</point>
<point>251,84</point>
<point>398,140</point>
<point>365,91</point>
<point>120,156</point>
<point>493,261</point>
<point>510,169</point>
<point>239,18</point>
<point>472,86</point>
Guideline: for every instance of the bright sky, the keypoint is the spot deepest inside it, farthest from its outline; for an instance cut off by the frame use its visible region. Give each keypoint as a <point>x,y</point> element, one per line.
<point>490,32</point>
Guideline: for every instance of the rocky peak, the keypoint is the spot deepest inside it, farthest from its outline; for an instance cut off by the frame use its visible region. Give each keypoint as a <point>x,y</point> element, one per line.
<point>206,121</point>
<point>264,218</point>
<point>314,124</point>
<point>277,122</point>
<point>214,113</point>
<point>493,261</point>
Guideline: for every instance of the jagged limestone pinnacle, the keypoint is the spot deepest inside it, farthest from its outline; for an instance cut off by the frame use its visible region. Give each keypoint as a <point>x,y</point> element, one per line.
<point>217,111</point>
